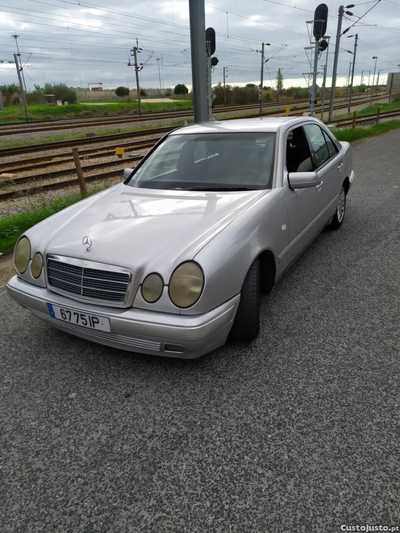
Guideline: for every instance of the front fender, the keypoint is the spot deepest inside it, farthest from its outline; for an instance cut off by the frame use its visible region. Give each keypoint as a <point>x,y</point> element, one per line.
<point>227,258</point>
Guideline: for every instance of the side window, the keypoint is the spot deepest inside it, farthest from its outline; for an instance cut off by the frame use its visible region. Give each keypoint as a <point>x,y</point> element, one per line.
<point>318,144</point>
<point>333,150</point>
<point>298,156</point>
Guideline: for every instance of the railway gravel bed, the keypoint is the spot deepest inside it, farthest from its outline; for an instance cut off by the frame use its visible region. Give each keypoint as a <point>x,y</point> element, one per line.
<point>10,208</point>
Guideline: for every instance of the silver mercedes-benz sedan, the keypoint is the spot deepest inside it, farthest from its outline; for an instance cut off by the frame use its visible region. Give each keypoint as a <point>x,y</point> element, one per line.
<point>173,261</point>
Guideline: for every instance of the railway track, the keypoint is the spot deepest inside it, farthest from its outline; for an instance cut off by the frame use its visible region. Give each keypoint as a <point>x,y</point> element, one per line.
<point>51,180</point>
<point>13,129</point>
<point>7,152</point>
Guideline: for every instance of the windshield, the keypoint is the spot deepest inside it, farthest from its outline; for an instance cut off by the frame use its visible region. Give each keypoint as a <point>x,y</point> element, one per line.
<point>218,161</point>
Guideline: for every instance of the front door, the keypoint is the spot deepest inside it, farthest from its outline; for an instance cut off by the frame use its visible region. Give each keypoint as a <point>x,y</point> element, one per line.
<point>304,205</point>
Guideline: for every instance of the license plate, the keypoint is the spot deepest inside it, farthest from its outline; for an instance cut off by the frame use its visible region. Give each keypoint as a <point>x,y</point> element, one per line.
<point>78,318</point>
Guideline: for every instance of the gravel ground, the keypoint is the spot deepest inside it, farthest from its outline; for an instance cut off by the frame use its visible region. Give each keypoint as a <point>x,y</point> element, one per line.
<point>296,432</point>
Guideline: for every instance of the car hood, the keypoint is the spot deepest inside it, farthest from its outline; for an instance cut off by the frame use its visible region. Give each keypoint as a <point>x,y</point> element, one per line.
<point>151,229</point>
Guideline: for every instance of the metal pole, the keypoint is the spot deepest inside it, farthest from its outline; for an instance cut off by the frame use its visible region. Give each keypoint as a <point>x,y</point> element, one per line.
<point>352,73</point>
<point>348,79</point>
<point>373,81</point>
<point>324,87</point>
<point>391,87</point>
<point>159,73</point>
<point>377,82</point>
<point>21,86</point>
<point>260,94</point>
<point>335,61</point>
<point>198,52</point>
<point>135,50</point>
<point>209,84</point>
<point>314,82</point>
<point>323,94</point>
<point>224,70</point>
<point>362,77</point>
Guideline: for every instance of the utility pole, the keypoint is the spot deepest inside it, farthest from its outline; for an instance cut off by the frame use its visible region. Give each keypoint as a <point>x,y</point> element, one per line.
<point>336,59</point>
<point>20,61</point>
<point>197,21</point>
<point>348,79</point>
<point>314,82</point>
<point>352,73</point>
<point>373,80</point>
<point>209,84</point>
<point>323,94</point>
<point>377,81</point>
<point>135,52</point>
<point>362,77</point>
<point>224,71</point>
<point>159,73</point>
<point>260,94</point>
<point>21,86</point>
<point>324,83</point>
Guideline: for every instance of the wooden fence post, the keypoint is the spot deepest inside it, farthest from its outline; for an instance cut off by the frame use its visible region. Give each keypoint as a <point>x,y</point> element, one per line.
<point>377,115</point>
<point>354,120</point>
<point>81,179</point>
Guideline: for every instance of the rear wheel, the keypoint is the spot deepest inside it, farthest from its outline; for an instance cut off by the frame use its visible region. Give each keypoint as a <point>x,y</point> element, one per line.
<point>340,211</point>
<point>247,321</point>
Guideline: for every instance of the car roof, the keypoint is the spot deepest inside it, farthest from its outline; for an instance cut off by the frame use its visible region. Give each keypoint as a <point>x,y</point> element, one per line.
<point>262,124</point>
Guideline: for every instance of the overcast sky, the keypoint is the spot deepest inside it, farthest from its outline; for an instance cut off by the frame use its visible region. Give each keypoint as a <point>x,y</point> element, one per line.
<point>78,42</point>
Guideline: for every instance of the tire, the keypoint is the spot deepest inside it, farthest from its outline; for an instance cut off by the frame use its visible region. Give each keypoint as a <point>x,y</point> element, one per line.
<point>340,211</point>
<point>246,326</point>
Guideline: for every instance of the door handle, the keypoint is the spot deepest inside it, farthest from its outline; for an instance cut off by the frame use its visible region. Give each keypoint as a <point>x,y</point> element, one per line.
<point>319,185</point>
<point>340,166</point>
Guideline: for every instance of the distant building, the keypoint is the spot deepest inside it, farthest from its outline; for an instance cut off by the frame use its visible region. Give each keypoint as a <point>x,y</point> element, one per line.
<point>393,83</point>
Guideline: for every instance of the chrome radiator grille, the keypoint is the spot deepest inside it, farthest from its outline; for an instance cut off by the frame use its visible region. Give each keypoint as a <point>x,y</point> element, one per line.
<point>88,281</point>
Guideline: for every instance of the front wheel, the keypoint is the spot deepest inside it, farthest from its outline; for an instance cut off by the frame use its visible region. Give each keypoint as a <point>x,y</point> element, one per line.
<point>247,321</point>
<point>340,211</point>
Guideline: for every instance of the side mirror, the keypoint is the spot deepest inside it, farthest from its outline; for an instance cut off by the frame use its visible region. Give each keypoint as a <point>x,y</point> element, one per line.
<point>127,173</point>
<point>302,180</point>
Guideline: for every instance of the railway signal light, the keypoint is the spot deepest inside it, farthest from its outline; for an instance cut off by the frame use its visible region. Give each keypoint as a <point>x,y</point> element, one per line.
<point>323,45</point>
<point>210,41</point>
<point>320,21</point>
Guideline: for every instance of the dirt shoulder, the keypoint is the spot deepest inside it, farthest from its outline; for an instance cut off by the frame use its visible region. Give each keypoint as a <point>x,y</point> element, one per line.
<point>6,269</point>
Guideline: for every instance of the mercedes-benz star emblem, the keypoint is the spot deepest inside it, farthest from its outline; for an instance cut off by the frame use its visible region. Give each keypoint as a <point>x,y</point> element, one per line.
<point>87,241</point>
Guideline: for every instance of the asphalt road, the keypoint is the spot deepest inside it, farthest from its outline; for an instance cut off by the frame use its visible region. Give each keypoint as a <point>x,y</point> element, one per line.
<point>295,432</point>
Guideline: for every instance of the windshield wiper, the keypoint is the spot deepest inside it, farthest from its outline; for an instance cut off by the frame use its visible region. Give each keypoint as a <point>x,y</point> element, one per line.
<point>202,188</point>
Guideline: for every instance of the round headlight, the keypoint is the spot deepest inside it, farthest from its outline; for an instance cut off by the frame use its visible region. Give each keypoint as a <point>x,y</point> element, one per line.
<point>186,284</point>
<point>36,265</point>
<point>22,254</point>
<point>152,288</point>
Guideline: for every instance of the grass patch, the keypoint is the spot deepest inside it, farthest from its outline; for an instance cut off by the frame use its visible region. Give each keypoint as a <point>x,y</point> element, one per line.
<point>394,106</point>
<point>12,227</point>
<point>82,110</point>
<point>356,134</point>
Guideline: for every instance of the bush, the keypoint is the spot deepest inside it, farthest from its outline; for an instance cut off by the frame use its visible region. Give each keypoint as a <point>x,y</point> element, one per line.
<point>35,97</point>
<point>9,93</point>
<point>396,97</point>
<point>181,89</point>
<point>122,91</point>
<point>61,91</point>
<point>143,92</point>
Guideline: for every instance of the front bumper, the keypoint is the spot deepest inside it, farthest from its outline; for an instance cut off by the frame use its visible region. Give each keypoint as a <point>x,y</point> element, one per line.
<point>135,330</point>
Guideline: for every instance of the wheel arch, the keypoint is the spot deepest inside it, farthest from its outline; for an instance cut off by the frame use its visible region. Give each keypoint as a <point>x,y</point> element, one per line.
<point>346,184</point>
<point>267,271</point>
